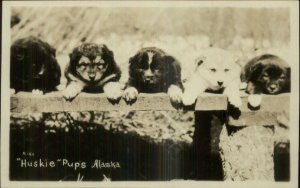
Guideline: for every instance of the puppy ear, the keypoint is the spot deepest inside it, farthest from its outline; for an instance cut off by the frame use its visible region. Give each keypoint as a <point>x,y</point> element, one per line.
<point>239,61</point>
<point>71,56</point>
<point>168,62</point>
<point>53,51</point>
<point>132,59</point>
<point>255,71</point>
<point>256,67</point>
<point>112,68</point>
<point>169,59</point>
<point>105,50</point>
<point>288,72</point>
<point>173,71</point>
<point>200,60</point>
<point>74,56</point>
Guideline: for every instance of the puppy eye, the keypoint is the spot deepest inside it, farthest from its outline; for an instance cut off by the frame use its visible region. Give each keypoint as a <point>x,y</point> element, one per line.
<point>155,67</point>
<point>226,70</point>
<point>83,64</point>
<point>213,70</point>
<point>266,76</point>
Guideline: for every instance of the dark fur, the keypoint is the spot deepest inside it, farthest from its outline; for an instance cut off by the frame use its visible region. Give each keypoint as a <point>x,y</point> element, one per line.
<point>278,72</point>
<point>92,50</point>
<point>167,65</point>
<point>27,57</point>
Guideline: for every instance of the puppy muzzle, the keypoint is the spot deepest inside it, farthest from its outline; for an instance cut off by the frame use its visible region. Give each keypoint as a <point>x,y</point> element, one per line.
<point>272,89</point>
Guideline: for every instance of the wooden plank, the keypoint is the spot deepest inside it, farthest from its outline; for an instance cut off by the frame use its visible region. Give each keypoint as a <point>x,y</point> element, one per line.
<point>272,106</point>
<point>25,102</point>
<point>269,103</point>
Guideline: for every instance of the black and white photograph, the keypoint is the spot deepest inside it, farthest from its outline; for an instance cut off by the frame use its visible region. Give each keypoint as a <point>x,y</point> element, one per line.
<point>130,93</point>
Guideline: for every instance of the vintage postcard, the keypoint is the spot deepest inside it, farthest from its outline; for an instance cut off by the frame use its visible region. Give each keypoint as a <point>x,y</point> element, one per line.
<point>150,93</point>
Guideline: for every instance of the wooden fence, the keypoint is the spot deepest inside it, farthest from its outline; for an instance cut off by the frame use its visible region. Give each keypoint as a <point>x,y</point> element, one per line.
<point>248,159</point>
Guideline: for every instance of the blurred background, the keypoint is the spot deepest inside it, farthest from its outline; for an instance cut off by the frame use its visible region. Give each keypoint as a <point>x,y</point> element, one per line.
<point>139,140</point>
<point>182,32</point>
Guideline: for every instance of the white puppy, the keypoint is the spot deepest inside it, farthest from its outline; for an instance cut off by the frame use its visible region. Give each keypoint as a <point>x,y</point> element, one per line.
<point>216,70</point>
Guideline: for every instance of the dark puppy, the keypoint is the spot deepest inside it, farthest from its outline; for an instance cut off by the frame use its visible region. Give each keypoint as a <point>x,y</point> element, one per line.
<point>33,66</point>
<point>151,70</point>
<point>92,68</point>
<point>266,74</point>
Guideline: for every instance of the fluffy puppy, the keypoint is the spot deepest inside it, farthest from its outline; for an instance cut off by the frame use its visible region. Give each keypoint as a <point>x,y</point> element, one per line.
<point>33,66</point>
<point>266,74</point>
<point>92,68</point>
<point>216,70</point>
<point>151,70</point>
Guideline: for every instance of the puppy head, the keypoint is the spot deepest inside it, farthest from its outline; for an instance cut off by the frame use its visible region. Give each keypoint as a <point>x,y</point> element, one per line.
<point>218,68</point>
<point>32,59</point>
<point>90,61</point>
<point>271,73</point>
<point>149,66</point>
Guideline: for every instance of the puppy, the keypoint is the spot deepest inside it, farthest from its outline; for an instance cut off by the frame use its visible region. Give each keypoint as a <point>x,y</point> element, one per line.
<point>266,74</point>
<point>92,68</point>
<point>33,66</point>
<point>216,70</point>
<point>151,70</point>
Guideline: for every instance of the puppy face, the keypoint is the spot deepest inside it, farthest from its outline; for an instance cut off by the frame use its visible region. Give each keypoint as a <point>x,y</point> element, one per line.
<point>149,68</point>
<point>91,69</point>
<point>33,65</point>
<point>91,63</point>
<point>31,59</point>
<point>271,74</point>
<point>218,68</point>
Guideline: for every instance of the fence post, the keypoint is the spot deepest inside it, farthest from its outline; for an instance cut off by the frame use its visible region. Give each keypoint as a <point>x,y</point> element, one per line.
<point>247,139</point>
<point>247,152</point>
<point>206,159</point>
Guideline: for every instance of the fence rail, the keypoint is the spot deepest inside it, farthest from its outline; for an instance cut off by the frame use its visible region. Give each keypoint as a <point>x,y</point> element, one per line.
<point>26,102</point>
<point>271,106</point>
<point>259,140</point>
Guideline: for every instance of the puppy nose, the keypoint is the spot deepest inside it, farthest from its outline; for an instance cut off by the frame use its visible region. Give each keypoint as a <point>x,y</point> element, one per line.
<point>220,83</point>
<point>149,77</point>
<point>273,86</point>
<point>92,77</point>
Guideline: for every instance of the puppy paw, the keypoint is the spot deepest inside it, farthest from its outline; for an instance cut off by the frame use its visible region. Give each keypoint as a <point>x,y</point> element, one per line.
<point>254,100</point>
<point>175,93</point>
<point>70,93</point>
<point>113,90</point>
<point>61,87</point>
<point>130,94</point>
<point>235,101</point>
<point>243,86</point>
<point>188,99</point>
<point>12,91</point>
<point>37,92</point>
